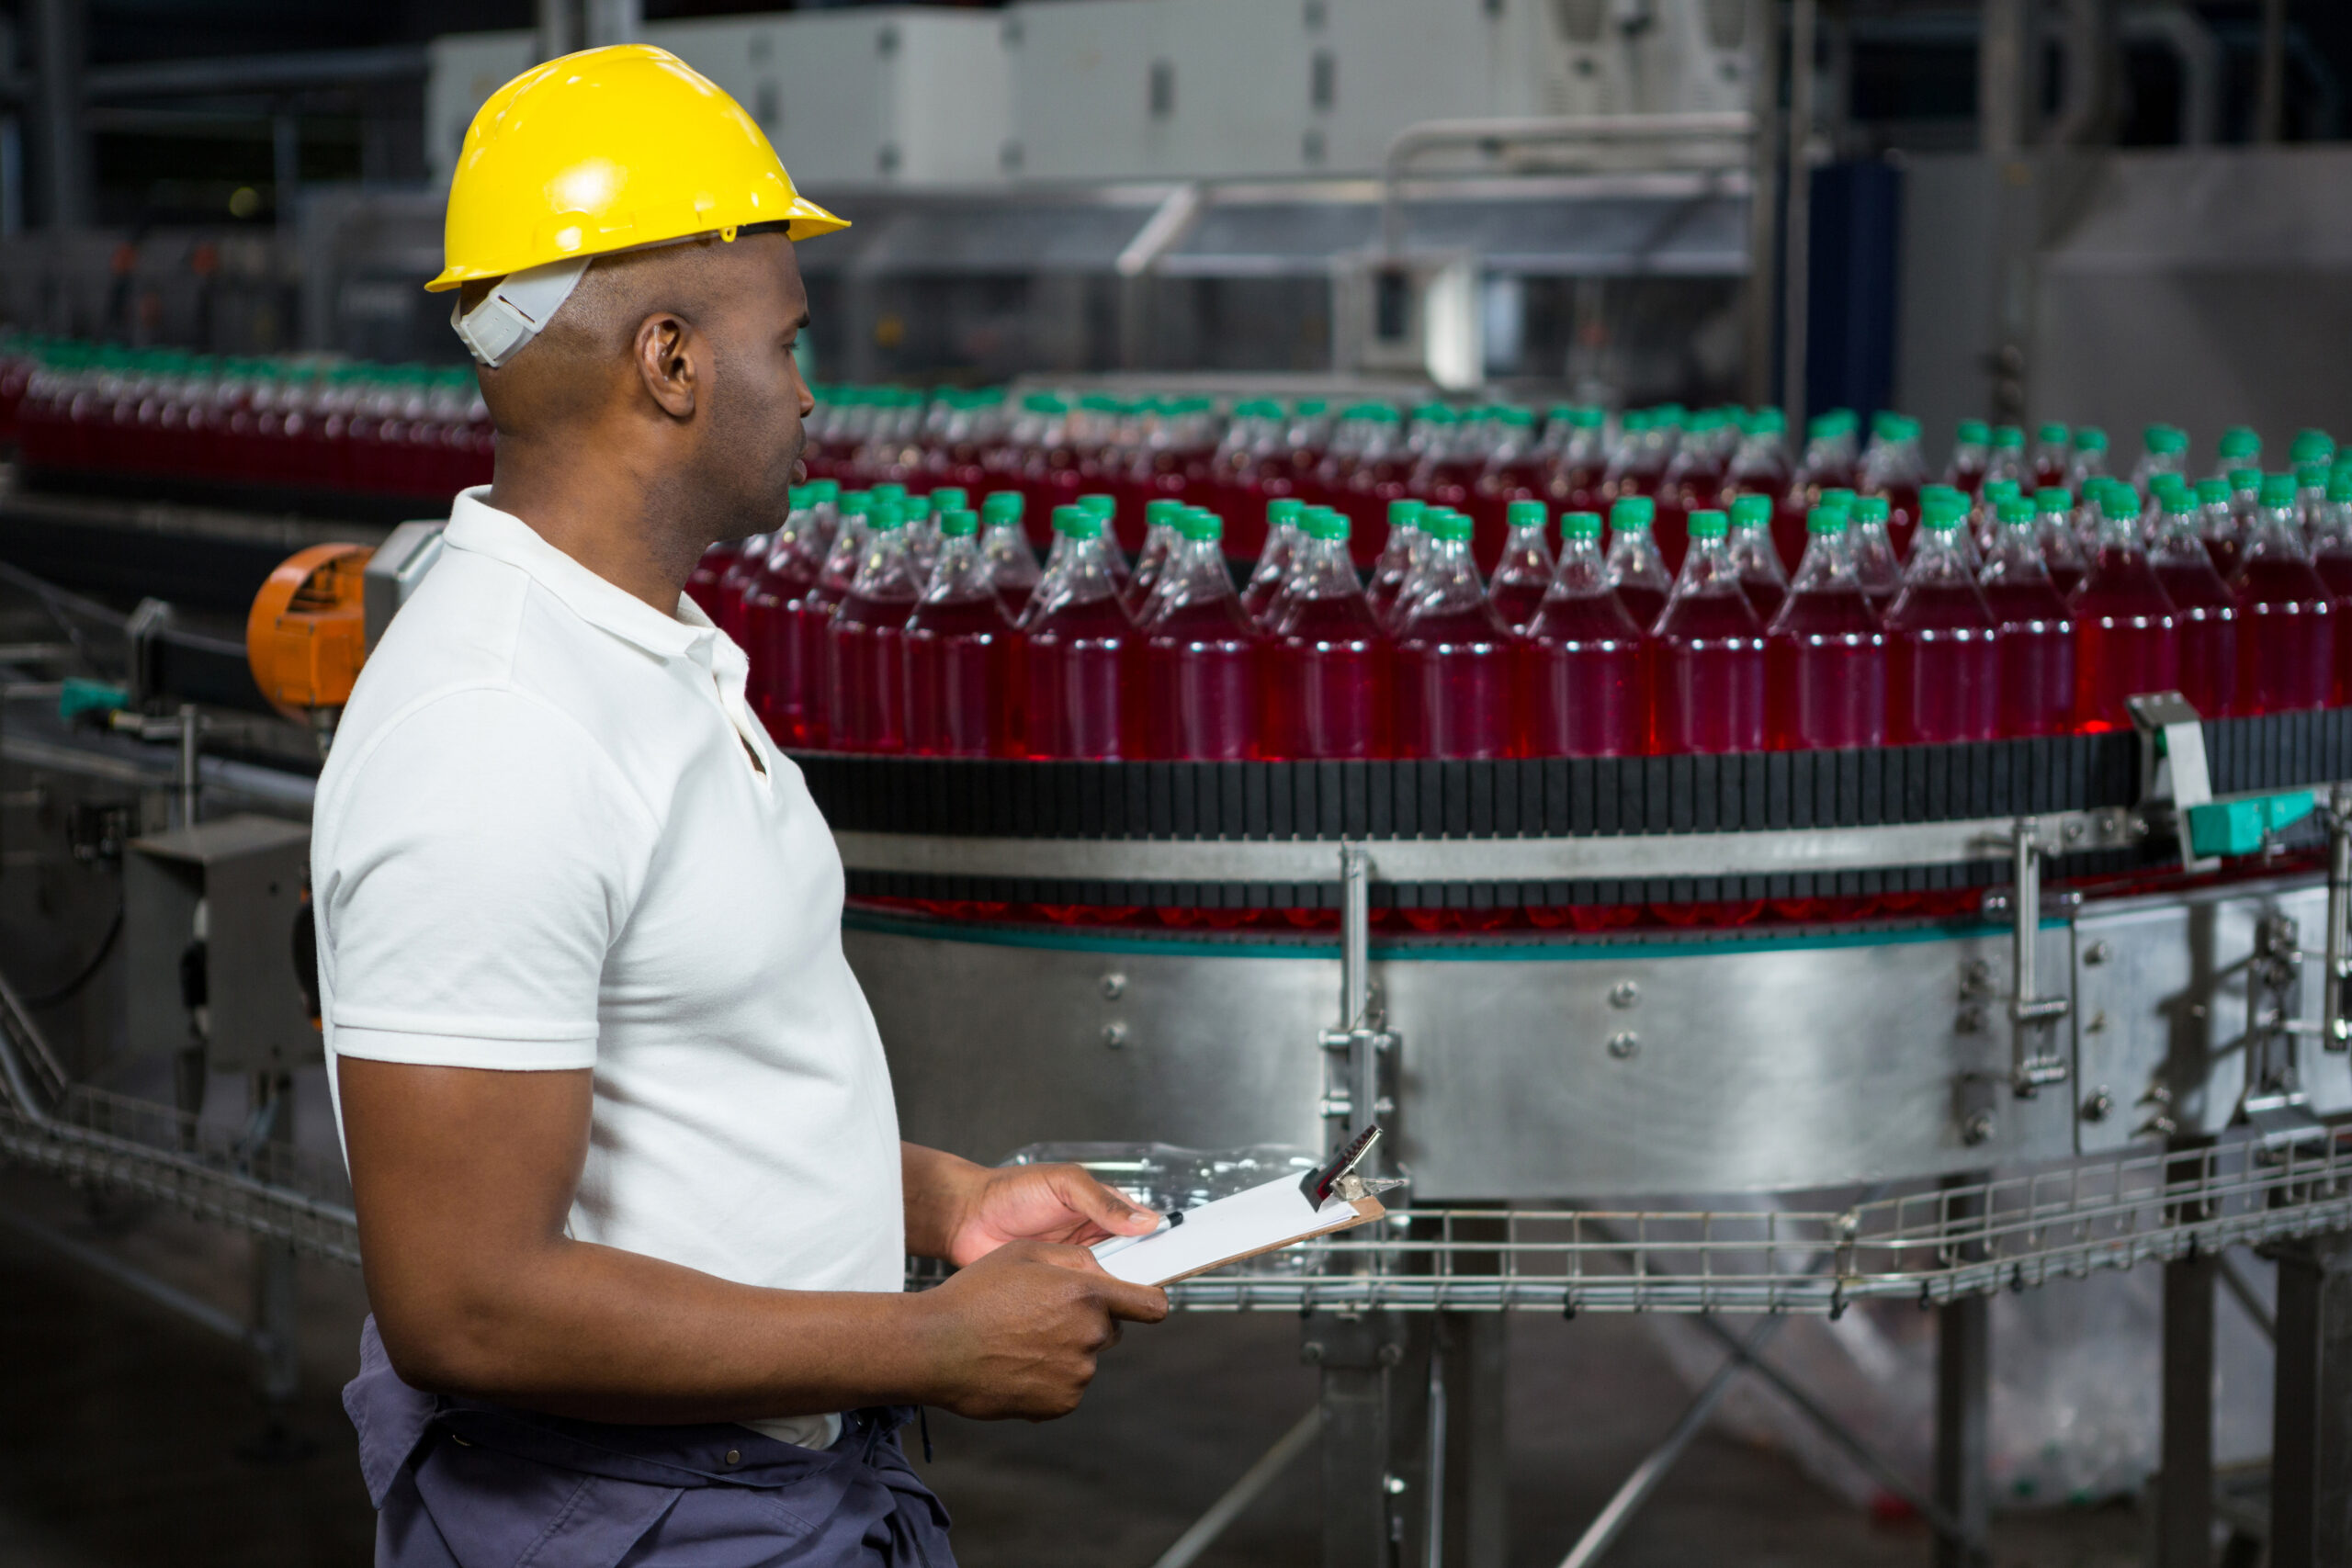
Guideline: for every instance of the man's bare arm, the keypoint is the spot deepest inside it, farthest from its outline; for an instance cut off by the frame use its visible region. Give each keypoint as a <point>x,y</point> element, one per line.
<point>464,1179</point>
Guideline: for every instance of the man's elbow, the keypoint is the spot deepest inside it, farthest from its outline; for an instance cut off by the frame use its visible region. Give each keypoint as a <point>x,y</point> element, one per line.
<point>451,1343</point>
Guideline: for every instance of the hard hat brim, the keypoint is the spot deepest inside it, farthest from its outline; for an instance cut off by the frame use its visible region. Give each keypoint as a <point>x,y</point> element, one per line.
<point>805,220</point>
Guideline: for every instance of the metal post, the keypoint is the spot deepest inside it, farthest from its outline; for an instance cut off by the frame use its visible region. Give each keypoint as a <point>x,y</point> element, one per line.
<point>1355,935</point>
<point>2336,1031</point>
<point>277,1315</point>
<point>2030,1067</point>
<point>2270,82</point>
<point>1373,1385</point>
<point>285,165</point>
<point>64,155</point>
<point>1964,1399</point>
<point>1468,1524</point>
<point>2184,1487</point>
<point>1796,241</point>
<point>562,29</point>
<point>2310,1446</point>
<point>612,21</point>
<point>191,774</point>
<point>2001,79</point>
<point>1763,200</point>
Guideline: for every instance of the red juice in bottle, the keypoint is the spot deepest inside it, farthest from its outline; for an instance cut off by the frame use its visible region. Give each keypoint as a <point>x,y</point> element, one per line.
<point>1004,545</point>
<point>1636,571</point>
<point>1578,456</point>
<point>1825,652</point>
<point>1272,567</point>
<point>2036,636</point>
<point>1393,568</point>
<point>2062,549</point>
<point>1331,689</point>
<point>2229,512</point>
<point>2204,611</point>
<point>2127,640</point>
<point>1892,470</point>
<point>1201,654</point>
<point>2331,558</point>
<point>1708,660</point>
<point>1584,670</point>
<point>1756,557</point>
<point>1872,549</point>
<point>1075,662</point>
<point>783,635</point>
<point>1524,571</point>
<point>2286,616</point>
<point>1694,475</point>
<point>1456,670</point>
<point>1971,456</point>
<point>1517,469</point>
<point>703,582</point>
<point>2007,460</point>
<point>2051,453</point>
<point>1943,646</point>
<point>963,655</point>
<point>865,707</point>
<point>1159,540</point>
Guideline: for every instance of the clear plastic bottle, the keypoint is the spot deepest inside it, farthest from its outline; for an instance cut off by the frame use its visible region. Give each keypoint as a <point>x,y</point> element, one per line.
<point>2164,449</point>
<point>2007,459</point>
<point>848,550</point>
<point>2205,613</point>
<point>784,632</point>
<point>1831,460</point>
<point>1584,669</point>
<point>1695,476</point>
<point>2311,494</point>
<point>1972,455</point>
<point>1517,469</point>
<point>1201,655</point>
<point>2240,447</point>
<point>2062,552</point>
<point>1575,442</point>
<point>922,527</point>
<point>1760,467</point>
<point>2286,616</point>
<point>962,655</point>
<point>1943,646</point>
<point>1636,571</point>
<point>2051,452</point>
<point>2036,636</point>
<point>1393,568</point>
<point>1638,463</point>
<point>2331,558</point>
<point>1004,545</point>
<point>1756,557</point>
<point>1985,517</point>
<point>1272,568</point>
<point>1873,552</point>
<point>1078,634</point>
<point>2229,522</point>
<point>1332,691</point>
<point>1160,540</point>
<point>1894,469</point>
<point>1106,508</point>
<point>1825,652</point>
<point>866,658</point>
<point>2127,640</point>
<point>1523,573</point>
<point>1708,657</point>
<point>2088,458</point>
<point>1455,664</point>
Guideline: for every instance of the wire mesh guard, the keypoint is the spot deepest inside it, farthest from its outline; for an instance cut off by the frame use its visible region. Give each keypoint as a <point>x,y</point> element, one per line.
<point>2010,1231</point>
<point>267,1189</point>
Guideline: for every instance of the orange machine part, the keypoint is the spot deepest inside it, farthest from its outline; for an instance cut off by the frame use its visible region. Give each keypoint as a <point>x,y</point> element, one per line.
<point>307,635</point>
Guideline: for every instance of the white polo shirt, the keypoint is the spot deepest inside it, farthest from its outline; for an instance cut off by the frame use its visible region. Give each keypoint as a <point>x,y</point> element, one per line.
<point>540,842</point>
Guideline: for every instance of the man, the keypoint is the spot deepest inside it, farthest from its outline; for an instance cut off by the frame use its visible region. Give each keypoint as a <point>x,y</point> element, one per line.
<point>631,1193</point>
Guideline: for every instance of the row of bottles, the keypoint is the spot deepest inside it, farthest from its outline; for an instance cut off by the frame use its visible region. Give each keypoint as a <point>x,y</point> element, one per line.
<point>882,622</point>
<point>401,429</point>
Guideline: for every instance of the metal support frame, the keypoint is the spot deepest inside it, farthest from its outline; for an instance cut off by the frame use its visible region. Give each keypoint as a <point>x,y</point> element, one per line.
<point>2335,1014</point>
<point>1360,1055</point>
<point>1796,235</point>
<point>2310,1449</point>
<point>2184,1524</point>
<point>63,145</point>
<point>2034,1060</point>
<point>1963,1416</point>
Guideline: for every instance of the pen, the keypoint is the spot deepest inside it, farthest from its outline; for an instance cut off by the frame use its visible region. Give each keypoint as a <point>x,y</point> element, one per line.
<point>1119,1244</point>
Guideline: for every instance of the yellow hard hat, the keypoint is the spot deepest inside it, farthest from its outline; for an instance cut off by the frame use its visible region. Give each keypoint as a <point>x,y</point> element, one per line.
<point>605,150</point>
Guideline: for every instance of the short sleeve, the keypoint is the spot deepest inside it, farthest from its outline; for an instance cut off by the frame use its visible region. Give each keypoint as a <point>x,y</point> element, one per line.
<point>470,875</point>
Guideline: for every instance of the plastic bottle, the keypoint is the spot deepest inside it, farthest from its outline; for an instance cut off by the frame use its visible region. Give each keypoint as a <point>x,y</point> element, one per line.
<point>848,549</point>
<point>1873,552</point>
<point>2311,494</point>
<point>2127,640</point>
<point>2229,506</point>
<point>1756,557</point>
<point>703,582</point>
<point>1971,456</point>
<point>2062,552</point>
<point>2007,459</point>
<point>1695,476</point>
<point>1707,661</point>
<point>1985,517</point>
<point>1943,646</point>
<point>1159,539</point>
<point>962,656</point>
<point>1639,459</point>
<point>2240,448</point>
<point>2204,611</point>
<point>1574,441</point>
<point>750,554</point>
<point>1455,665</point>
<point>1523,574</point>
<point>1830,461</point>
<point>1584,669</point>
<point>922,527</point>
<point>1393,568</point>
<point>1106,508</point>
<point>2286,616</point>
<point>1272,568</point>
<point>1894,469</point>
<point>783,634</point>
<point>1760,467</point>
<point>1636,571</point>
<point>865,668</point>
<point>1004,545</point>
<point>1202,674</point>
<point>2037,665</point>
<point>1078,634</point>
<point>2164,449</point>
<point>2331,558</point>
<point>1378,467</point>
<point>1517,469</point>
<point>1825,652</point>
<point>1332,691</point>
<point>2051,452</point>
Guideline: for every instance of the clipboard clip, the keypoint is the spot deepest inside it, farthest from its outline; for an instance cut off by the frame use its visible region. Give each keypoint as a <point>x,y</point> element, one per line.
<point>1339,1178</point>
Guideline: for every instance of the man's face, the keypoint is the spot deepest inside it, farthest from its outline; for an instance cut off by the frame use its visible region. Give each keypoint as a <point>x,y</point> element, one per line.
<point>760,400</point>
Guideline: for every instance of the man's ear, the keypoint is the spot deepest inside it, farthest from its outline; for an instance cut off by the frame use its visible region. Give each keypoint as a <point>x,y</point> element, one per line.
<point>672,360</point>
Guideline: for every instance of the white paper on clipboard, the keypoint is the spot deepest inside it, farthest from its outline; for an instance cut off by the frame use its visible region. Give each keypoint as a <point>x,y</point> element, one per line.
<point>1229,1230</point>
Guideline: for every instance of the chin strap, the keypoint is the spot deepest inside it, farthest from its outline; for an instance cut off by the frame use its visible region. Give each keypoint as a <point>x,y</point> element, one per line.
<point>516,309</point>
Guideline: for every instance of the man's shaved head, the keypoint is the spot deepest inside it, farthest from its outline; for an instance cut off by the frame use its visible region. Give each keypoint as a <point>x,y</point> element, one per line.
<point>674,362</point>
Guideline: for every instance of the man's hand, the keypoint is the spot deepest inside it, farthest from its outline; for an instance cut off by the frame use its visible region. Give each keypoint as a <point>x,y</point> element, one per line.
<point>963,1211</point>
<point>1018,1332</point>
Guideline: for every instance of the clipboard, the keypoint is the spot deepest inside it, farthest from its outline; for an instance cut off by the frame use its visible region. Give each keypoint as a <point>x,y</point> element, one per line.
<point>1261,1219</point>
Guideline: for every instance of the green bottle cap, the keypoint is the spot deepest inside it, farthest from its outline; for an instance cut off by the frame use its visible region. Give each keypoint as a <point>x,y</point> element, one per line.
<point>1887,425</point>
<point>2277,489</point>
<point>2213,493</point>
<point>1001,506</point>
<point>2090,438</point>
<point>946,499</point>
<point>2052,433</point>
<point>890,491</point>
<point>1282,512</point>
<point>1998,491</point>
<point>1198,523</point>
<point>960,523</point>
<point>1632,514</point>
<point>1449,526</point>
<point>1751,512</point>
<point>1077,523</point>
<point>888,513</point>
<point>1709,524</point>
<point>1842,499</point>
<point>2311,447</point>
<point>1825,520</point>
<point>1870,509</point>
<point>796,498</point>
<point>1765,422</point>
<point>2165,440</point>
<point>2340,485</point>
<point>1325,522</point>
<point>1101,506</point>
<point>2245,478</point>
<point>856,503</point>
<point>2240,444</point>
<point>2053,500</point>
<point>1586,525</point>
<point>1589,417</point>
<point>1841,421</point>
<point>822,491</point>
<point>2311,476</point>
<point>1524,514</point>
<point>2008,438</point>
<point>1944,511</point>
<point>1636,422</point>
<point>1667,417</point>
<point>2016,509</point>
<point>2118,503</point>
<point>1406,514</point>
<point>1164,510</point>
<point>1972,432</point>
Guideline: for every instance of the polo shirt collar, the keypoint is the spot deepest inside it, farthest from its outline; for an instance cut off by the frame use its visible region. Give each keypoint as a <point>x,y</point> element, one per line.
<point>475,524</point>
